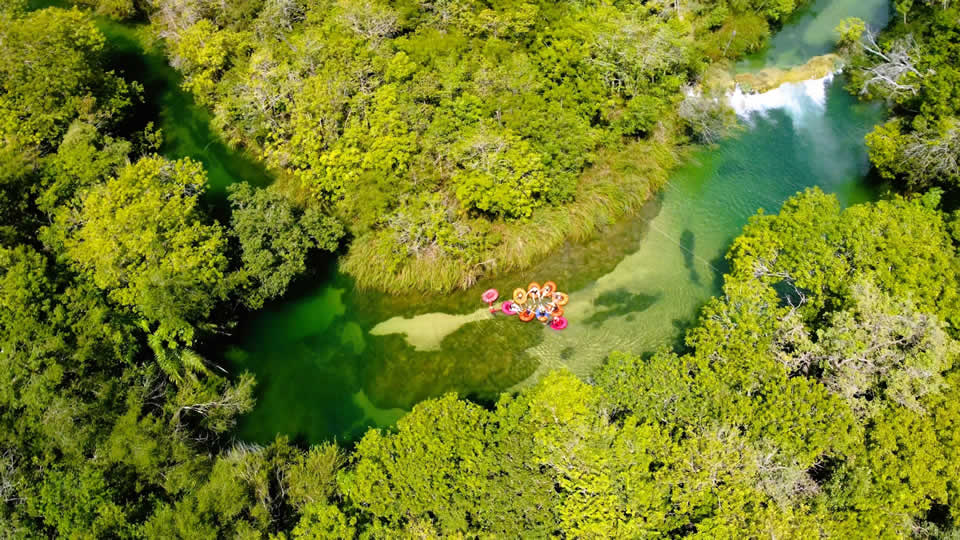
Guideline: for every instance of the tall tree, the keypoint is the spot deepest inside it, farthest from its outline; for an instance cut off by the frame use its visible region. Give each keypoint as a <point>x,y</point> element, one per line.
<point>143,238</point>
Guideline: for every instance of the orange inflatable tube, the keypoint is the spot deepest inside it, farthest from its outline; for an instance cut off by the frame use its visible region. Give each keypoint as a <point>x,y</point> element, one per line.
<point>526,315</point>
<point>533,290</point>
<point>548,288</point>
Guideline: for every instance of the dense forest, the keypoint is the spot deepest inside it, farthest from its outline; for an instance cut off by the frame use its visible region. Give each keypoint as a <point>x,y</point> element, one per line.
<point>816,397</point>
<point>449,133</point>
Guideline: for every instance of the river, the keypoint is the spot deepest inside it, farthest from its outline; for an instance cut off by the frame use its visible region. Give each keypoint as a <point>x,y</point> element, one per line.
<point>332,361</point>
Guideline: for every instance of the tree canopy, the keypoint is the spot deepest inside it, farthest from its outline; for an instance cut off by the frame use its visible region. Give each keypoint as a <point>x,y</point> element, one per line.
<point>914,65</point>
<point>817,396</point>
<point>492,111</point>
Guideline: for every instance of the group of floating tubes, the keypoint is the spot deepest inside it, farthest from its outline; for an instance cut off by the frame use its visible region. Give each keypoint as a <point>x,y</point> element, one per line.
<point>544,304</point>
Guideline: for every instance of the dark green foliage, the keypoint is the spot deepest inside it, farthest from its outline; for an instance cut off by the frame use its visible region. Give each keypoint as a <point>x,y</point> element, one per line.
<point>109,265</point>
<point>817,396</point>
<point>275,238</point>
<point>18,177</point>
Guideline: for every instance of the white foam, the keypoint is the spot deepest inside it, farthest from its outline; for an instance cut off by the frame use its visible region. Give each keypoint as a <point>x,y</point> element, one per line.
<point>797,99</point>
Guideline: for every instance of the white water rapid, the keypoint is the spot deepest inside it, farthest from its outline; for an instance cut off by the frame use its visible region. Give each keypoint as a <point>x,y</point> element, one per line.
<point>794,98</point>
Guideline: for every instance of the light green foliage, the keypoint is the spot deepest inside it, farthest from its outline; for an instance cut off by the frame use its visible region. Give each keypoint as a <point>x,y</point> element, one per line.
<point>706,116</point>
<point>312,478</point>
<point>275,239</point>
<point>850,32</point>
<point>901,246</point>
<point>84,158</point>
<point>635,50</point>
<point>14,6</point>
<point>115,9</point>
<point>51,74</point>
<point>453,467</point>
<point>104,430</point>
<point>202,54</point>
<point>429,468</point>
<point>79,505</point>
<point>883,349</point>
<point>886,143</point>
<point>500,175</point>
<point>323,522</point>
<point>494,108</point>
<point>141,237</point>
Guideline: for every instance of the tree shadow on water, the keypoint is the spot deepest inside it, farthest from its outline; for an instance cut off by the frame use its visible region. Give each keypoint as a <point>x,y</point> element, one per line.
<point>720,266</point>
<point>688,241</point>
<point>621,302</point>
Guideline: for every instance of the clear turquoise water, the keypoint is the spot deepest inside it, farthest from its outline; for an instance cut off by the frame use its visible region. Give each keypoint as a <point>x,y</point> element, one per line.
<point>332,361</point>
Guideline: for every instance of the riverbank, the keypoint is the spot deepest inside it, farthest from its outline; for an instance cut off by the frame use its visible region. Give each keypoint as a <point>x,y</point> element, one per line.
<point>612,189</point>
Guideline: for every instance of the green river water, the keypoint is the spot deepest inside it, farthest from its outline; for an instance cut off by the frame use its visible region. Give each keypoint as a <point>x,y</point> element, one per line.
<point>332,361</point>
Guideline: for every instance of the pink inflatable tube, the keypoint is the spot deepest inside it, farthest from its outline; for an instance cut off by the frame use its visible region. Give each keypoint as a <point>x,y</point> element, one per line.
<point>558,323</point>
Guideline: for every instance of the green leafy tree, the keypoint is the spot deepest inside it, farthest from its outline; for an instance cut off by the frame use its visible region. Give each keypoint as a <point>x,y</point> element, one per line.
<point>322,522</point>
<point>80,505</point>
<point>275,239</point>
<point>51,73</point>
<point>143,238</point>
<point>312,478</point>
<point>18,179</point>
<point>84,158</point>
<point>203,53</point>
<point>500,174</point>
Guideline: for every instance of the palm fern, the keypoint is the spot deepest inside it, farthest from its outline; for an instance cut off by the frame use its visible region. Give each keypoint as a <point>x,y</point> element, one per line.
<point>176,362</point>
